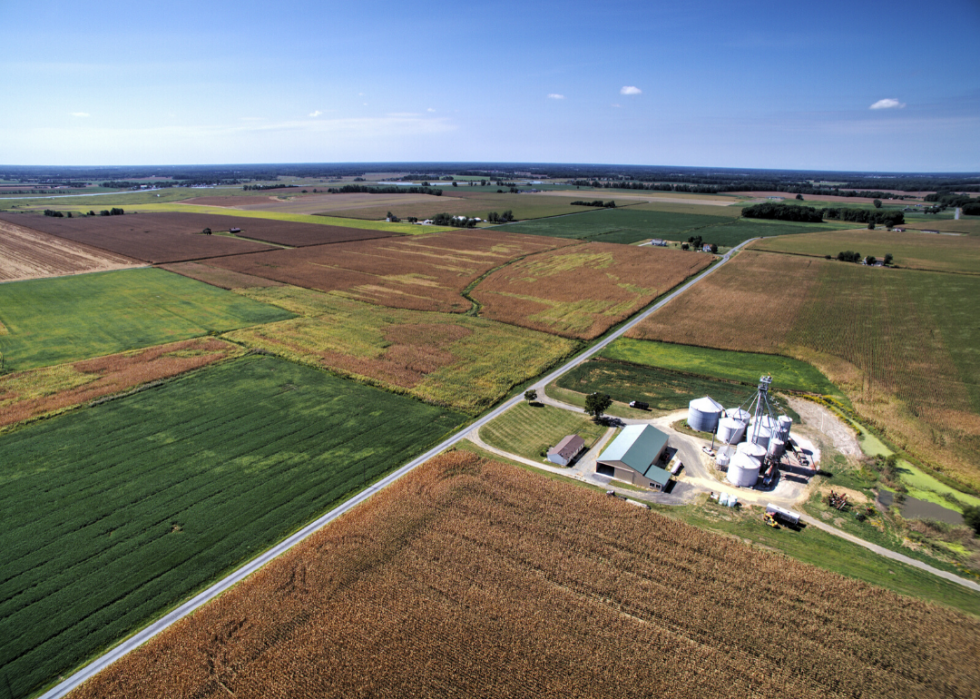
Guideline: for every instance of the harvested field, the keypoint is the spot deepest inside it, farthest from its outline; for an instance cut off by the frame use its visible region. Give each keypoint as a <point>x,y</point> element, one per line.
<point>116,513</point>
<point>940,253</point>
<point>454,360</point>
<point>216,276</point>
<point>583,291</point>
<point>176,237</point>
<point>65,319</point>
<point>891,339</point>
<point>29,394</point>
<point>968,225</point>
<point>808,199</point>
<point>348,203</point>
<point>231,202</point>
<point>148,237</point>
<point>459,202</point>
<point>649,196</point>
<point>470,578</point>
<point>426,273</point>
<point>31,254</point>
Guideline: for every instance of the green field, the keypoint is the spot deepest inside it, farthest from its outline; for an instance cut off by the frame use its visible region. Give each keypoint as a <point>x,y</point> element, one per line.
<point>528,430</point>
<point>938,253</point>
<point>459,361</point>
<point>116,513</point>
<point>746,367</point>
<point>62,319</point>
<point>664,390</point>
<point>631,225</point>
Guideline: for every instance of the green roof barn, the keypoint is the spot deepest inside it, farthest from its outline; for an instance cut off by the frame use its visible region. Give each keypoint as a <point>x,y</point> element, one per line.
<point>633,455</point>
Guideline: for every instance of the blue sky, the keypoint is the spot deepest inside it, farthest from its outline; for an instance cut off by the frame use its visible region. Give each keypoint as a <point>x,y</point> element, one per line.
<point>726,84</point>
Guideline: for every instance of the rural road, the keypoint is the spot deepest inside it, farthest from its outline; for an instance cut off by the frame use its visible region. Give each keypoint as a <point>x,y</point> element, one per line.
<point>254,565</point>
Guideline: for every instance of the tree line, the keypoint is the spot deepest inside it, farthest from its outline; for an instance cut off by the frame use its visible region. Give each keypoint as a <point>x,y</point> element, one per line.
<point>597,203</point>
<point>394,189</point>
<point>808,214</point>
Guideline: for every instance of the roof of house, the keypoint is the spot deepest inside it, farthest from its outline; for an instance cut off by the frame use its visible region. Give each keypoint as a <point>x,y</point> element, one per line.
<point>637,446</point>
<point>568,447</point>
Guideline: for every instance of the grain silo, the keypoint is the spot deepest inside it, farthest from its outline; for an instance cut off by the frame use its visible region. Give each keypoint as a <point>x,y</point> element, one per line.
<point>739,415</point>
<point>730,431</point>
<point>703,414</point>
<point>777,447</point>
<point>723,458</point>
<point>760,435</point>
<point>752,450</point>
<point>785,423</point>
<point>743,471</point>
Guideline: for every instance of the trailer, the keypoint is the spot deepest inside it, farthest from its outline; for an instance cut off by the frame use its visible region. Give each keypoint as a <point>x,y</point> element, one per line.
<point>783,514</point>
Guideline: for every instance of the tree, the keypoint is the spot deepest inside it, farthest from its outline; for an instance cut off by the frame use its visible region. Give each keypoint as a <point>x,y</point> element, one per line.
<point>971,515</point>
<point>685,246</point>
<point>714,249</point>
<point>871,260</point>
<point>877,203</point>
<point>799,197</point>
<point>206,231</point>
<point>596,404</point>
<point>530,395</point>
<point>871,225</point>
<point>888,259</point>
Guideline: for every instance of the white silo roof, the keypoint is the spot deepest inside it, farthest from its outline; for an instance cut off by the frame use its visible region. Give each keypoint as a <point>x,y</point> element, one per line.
<point>706,405</point>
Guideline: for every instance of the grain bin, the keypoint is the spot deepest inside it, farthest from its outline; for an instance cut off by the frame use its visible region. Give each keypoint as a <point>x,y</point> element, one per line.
<point>703,414</point>
<point>730,431</point>
<point>759,435</point>
<point>723,458</point>
<point>739,415</point>
<point>777,447</point>
<point>753,451</point>
<point>743,471</point>
<point>770,423</point>
<point>785,423</point>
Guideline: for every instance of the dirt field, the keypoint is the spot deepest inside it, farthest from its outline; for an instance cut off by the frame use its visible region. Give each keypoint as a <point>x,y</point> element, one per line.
<point>583,291</point>
<point>643,196</point>
<point>154,238</point>
<point>330,203</point>
<point>231,202</point>
<point>28,394</point>
<point>824,197</point>
<point>468,578</point>
<point>30,254</point>
<point>216,276</point>
<point>426,273</point>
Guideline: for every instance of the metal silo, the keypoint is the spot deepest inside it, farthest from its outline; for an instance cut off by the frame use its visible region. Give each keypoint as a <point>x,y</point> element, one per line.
<point>739,415</point>
<point>730,431</point>
<point>767,421</point>
<point>703,414</point>
<point>777,447</point>
<point>759,435</point>
<point>753,451</point>
<point>723,458</point>
<point>785,423</point>
<point>743,471</point>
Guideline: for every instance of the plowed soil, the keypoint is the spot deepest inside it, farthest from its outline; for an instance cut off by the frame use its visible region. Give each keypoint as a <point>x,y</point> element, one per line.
<point>426,273</point>
<point>216,276</point>
<point>31,254</point>
<point>468,578</point>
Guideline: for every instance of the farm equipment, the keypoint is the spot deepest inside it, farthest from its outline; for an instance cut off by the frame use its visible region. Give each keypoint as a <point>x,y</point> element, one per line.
<point>837,500</point>
<point>770,520</point>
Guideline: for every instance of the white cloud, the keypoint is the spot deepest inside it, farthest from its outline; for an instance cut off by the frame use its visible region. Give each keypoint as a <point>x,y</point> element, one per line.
<point>430,109</point>
<point>887,104</point>
<point>630,90</point>
<point>80,114</point>
<point>315,113</point>
<point>617,105</point>
<point>556,96</point>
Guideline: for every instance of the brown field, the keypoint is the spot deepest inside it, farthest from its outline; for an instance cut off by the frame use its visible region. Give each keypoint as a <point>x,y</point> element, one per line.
<point>903,353</point>
<point>825,197</point>
<point>328,203</point>
<point>468,578</point>
<point>648,196</point>
<point>154,238</point>
<point>216,276</point>
<point>230,201</point>
<point>459,202</point>
<point>583,291</point>
<point>969,225</point>
<point>30,254</point>
<point>29,394</point>
<point>426,273</point>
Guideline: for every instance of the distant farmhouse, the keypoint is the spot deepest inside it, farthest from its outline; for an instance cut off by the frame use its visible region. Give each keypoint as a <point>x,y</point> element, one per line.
<point>633,455</point>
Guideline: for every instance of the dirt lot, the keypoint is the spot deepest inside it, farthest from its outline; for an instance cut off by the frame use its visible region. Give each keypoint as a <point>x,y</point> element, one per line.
<point>30,254</point>
<point>154,238</point>
<point>819,419</point>
<point>426,273</point>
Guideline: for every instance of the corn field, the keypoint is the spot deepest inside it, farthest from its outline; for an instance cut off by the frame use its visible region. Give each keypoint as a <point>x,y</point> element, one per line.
<point>469,578</point>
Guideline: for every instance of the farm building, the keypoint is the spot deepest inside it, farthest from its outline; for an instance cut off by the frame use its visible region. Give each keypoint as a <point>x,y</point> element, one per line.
<point>566,450</point>
<point>632,457</point>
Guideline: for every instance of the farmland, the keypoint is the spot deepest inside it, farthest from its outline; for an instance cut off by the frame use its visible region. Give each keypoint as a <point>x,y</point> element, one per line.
<point>938,253</point>
<point>53,321</point>
<point>582,291</point>
<point>459,361</point>
<point>35,392</point>
<point>113,514</point>
<point>470,578</point>
<point>460,202</point>
<point>663,389</point>
<point>530,431</point>
<point>30,254</point>
<point>148,237</point>
<point>787,374</point>
<point>904,355</point>
<point>426,273</point>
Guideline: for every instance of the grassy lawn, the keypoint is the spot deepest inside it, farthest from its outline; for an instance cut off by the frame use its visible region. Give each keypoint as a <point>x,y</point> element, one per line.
<point>746,367</point>
<point>529,430</point>
<point>57,320</point>
<point>116,513</point>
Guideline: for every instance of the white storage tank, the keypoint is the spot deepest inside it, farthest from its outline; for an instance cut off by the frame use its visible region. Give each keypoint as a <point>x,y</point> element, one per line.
<point>723,458</point>
<point>759,435</point>
<point>743,471</point>
<point>769,423</point>
<point>730,431</point>
<point>785,423</point>
<point>739,415</point>
<point>753,451</point>
<point>777,447</point>
<point>703,414</point>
